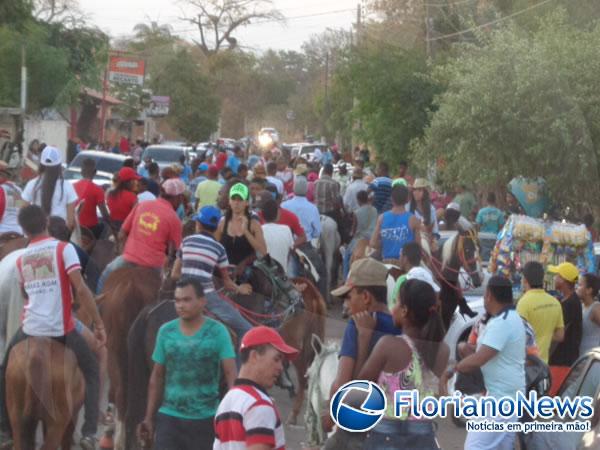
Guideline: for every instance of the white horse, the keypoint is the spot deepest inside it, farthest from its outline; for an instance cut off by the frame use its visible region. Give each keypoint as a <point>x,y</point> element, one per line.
<point>321,375</point>
<point>11,300</point>
<point>329,244</point>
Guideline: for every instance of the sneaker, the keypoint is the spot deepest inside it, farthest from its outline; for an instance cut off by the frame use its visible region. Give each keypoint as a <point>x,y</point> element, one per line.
<point>6,441</point>
<point>88,443</point>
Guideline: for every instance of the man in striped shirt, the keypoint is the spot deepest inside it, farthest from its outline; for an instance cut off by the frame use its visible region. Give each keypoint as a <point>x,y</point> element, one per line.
<point>247,418</point>
<point>198,257</point>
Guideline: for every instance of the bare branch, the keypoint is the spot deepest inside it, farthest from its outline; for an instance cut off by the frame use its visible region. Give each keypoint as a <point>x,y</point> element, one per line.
<point>224,17</point>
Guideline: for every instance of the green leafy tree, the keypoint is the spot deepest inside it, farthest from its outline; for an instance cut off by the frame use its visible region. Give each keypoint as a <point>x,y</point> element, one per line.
<point>15,13</point>
<point>526,104</point>
<point>394,94</point>
<point>194,109</point>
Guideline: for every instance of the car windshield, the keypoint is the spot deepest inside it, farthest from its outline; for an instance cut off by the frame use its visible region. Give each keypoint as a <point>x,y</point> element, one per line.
<point>308,149</point>
<point>163,154</point>
<point>103,164</point>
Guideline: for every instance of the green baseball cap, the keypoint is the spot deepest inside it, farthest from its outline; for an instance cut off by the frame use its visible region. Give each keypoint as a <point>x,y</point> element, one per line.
<point>399,181</point>
<point>239,189</point>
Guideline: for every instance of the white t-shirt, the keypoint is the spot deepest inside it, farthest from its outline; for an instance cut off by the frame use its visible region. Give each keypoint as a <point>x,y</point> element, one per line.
<point>59,202</point>
<point>146,196</point>
<point>279,242</point>
<point>277,182</point>
<point>44,275</point>
<point>9,221</point>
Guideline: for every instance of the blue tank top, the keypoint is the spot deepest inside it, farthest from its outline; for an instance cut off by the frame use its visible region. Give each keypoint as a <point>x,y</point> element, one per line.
<point>395,234</point>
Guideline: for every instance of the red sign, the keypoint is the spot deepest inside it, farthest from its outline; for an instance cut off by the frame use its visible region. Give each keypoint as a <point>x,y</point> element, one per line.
<point>123,69</point>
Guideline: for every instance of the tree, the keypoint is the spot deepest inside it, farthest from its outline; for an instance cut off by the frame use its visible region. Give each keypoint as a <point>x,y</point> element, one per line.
<point>194,109</point>
<point>526,104</point>
<point>65,12</point>
<point>15,13</point>
<point>218,20</point>
<point>394,94</point>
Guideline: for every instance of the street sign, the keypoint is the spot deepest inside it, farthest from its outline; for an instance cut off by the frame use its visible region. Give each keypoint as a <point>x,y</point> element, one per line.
<point>159,106</point>
<point>124,69</point>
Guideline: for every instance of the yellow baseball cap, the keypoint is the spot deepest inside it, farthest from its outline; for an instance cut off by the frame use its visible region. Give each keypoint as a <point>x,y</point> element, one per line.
<point>566,270</point>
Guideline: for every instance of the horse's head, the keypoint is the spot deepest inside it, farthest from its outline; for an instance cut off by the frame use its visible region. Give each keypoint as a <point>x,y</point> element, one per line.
<point>262,274</point>
<point>468,254</point>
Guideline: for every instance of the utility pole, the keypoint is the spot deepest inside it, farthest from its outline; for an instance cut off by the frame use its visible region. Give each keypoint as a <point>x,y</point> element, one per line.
<point>427,29</point>
<point>356,124</point>
<point>23,80</point>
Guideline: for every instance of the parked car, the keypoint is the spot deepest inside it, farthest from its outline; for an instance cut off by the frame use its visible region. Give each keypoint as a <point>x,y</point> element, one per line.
<point>582,380</point>
<point>107,164</point>
<point>165,155</point>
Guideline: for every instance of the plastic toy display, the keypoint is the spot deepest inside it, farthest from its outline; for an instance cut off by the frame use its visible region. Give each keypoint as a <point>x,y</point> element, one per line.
<point>525,239</point>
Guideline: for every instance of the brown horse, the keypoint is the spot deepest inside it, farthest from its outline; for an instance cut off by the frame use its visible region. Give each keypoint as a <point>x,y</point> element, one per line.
<point>46,386</point>
<point>126,292</point>
<point>10,242</point>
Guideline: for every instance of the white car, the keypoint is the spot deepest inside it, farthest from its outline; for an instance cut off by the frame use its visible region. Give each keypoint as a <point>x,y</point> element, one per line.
<point>166,155</point>
<point>107,164</point>
<point>306,150</point>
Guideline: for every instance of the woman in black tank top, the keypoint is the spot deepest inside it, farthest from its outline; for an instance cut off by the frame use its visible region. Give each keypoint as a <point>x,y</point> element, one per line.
<point>240,234</point>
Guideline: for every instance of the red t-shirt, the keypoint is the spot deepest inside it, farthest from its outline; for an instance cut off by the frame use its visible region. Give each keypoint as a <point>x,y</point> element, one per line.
<point>150,227</point>
<point>120,205</point>
<point>92,195</point>
<point>286,217</point>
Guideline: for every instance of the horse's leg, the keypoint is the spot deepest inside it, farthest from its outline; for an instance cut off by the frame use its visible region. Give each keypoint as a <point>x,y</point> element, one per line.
<point>54,435</point>
<point>299,398</point>
<point>449,302</point>
<point>119,434</point>
<point>24,434</point>
<point>67,440</point>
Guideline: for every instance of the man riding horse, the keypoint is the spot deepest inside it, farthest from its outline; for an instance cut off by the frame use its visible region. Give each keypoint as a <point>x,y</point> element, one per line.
<point>48,313</point>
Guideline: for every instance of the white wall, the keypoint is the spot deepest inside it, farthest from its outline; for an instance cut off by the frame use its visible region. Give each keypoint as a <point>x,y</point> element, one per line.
<point>52,132</point>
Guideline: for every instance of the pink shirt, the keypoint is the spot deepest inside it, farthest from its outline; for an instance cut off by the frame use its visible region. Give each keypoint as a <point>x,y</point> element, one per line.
<point>150,227</point>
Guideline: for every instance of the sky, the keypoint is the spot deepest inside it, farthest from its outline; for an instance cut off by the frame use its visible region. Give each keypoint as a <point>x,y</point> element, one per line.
<point>118,17</point>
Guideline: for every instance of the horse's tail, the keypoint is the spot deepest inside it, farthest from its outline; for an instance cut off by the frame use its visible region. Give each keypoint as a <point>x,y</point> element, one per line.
<point>37,373</point>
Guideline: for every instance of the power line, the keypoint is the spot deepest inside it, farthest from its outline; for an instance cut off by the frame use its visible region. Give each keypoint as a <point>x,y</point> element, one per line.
<point>501,19</point>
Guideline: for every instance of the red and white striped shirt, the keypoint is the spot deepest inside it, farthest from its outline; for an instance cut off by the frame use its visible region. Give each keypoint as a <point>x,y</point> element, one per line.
<point>247,416</point>
<point>44,269</point>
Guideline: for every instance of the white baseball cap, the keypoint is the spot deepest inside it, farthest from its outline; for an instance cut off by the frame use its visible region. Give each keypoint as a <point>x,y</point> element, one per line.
<point>455,206</point>
<point>422,274</point>
<point>51,156</point>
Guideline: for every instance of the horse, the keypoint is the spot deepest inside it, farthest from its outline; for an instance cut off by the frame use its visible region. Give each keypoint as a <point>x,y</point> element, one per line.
<point>321,375</point>
<point>461,251</point>
<point>46,386</point>
<point>11,301</point>
<point>306,318</point>
<point>126,292</point>
<point>10,242</point>
<point>329,243</point>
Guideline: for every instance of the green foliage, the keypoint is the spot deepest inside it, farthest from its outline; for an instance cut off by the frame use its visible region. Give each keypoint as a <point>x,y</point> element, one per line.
<point>194,107</point>
<point>15,13</point>
<point>526,104</point>
<point>394,93</point>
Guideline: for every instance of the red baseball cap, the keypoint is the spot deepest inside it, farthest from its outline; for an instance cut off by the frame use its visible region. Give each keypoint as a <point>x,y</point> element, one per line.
<point>266,335</point>
<point>127,174</point>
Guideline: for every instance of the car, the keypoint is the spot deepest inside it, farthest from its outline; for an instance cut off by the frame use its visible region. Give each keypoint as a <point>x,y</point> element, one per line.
<point>166,155</point>
<point>583,380</point>
<point>107,164</point>
<point>306,150</point>
<point>268,137</point>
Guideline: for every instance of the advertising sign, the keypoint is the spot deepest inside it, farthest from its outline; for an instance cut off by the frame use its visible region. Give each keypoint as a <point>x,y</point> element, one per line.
<point>124,69</point>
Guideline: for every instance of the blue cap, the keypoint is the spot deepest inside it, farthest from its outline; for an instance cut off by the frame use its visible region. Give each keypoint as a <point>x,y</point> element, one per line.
<point>203,167</point>
<point>209,215</point>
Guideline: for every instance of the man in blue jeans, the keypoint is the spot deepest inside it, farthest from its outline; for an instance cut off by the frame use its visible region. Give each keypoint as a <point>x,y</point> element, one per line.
<point>198,256</point>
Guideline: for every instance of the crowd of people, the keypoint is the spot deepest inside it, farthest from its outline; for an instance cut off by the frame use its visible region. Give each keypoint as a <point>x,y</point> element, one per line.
<point>243,208</point>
